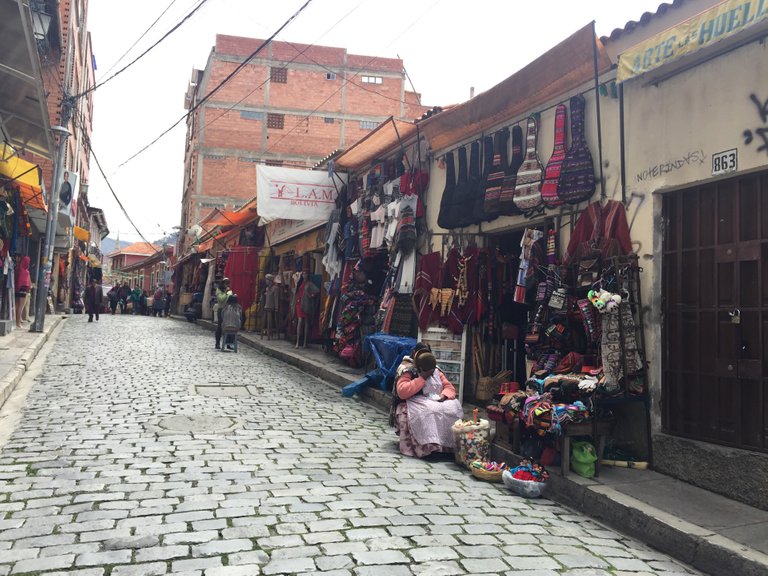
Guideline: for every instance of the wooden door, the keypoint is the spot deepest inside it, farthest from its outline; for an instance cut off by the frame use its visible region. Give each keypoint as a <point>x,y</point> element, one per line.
<point>715,313</point>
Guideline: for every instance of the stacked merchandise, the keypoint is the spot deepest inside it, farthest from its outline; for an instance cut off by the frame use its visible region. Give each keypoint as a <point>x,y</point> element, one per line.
<point>583,337</point>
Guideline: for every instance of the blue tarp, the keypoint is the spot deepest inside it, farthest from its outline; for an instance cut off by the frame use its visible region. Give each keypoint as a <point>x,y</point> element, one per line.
<point>388,351</point>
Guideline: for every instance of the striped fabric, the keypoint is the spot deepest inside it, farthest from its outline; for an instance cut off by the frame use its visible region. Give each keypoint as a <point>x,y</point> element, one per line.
<point>531,175</point>
<point>552,173</point>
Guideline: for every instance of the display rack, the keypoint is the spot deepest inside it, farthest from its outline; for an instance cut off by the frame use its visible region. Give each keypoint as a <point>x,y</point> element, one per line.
<point>450,351</point>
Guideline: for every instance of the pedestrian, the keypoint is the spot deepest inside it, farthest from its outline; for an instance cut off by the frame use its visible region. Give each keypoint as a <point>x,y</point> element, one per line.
<point>93,300</point>
<point>143,308</point>
<point>113,298</point>
<point>123,296</point>
<point>223,292</point>
<point>168,297</point>
<point>158,301</point>
<point>135,299</point>
<point>23,285</point>
<point>231,318</point>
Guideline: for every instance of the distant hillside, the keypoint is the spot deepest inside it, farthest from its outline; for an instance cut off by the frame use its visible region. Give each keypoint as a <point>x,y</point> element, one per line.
<point>109,245</point>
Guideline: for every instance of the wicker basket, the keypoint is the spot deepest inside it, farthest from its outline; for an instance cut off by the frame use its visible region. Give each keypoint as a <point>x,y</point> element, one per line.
<point>483,474</point>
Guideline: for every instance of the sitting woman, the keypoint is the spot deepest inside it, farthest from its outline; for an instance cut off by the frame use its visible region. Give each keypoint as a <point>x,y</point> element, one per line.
<point>426,405</point>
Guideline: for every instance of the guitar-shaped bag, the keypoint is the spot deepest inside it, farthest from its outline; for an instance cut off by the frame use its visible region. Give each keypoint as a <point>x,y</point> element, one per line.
<point>476,185</point>
<point>507,197</point>
<point>531,173</point>
<point>445,218</point>
<point>552,173</point>
<point>496,175</point>
<point>577,173</point>
<point>462,195</point>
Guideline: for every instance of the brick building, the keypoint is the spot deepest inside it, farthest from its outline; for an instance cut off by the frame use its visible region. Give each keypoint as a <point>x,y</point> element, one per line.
<point>290,105</point>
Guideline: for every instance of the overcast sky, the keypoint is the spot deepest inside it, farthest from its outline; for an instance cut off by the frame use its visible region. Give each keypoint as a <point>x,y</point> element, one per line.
<point>446,48</point>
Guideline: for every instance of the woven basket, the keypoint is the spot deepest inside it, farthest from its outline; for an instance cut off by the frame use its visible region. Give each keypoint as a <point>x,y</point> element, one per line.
<point>483,474</point>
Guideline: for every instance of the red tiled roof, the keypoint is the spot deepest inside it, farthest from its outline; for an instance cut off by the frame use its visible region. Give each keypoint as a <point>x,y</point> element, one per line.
<point>137,248</point>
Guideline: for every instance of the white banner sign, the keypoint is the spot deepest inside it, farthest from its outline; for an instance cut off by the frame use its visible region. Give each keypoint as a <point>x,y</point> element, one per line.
<point>295,194</point>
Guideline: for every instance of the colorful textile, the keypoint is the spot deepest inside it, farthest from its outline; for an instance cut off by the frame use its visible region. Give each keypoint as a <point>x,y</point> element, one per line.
<point>605,227</point>
<point>507,198</point>
<point>496,174</point>
<point>427,278</point>
<point>577,172</point>
<point>552,172</point>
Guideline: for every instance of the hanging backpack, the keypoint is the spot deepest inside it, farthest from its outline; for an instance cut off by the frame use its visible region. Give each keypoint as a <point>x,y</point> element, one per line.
<point>462,195</point>
<point>478,213</point>
<point>496,174</point>
<point>577,173</point>
<point>507,198</point>
<point>552,172</point>
<point>476,191</point>
<point>531,173</point>
<point>445,218</point>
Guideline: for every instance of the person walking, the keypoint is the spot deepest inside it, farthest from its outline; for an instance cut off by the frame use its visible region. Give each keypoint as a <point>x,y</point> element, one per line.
<point>23,285</point>
<point>158,301</point>
<point>168,297</point>
<point>93,300</point>
<point>123,294</point>
<point>231,315</point>
<point>113,298</point>
<point>223,292</point>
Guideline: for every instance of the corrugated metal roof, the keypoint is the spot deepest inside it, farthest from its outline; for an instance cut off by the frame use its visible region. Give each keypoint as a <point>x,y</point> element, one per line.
<point>630,26</point>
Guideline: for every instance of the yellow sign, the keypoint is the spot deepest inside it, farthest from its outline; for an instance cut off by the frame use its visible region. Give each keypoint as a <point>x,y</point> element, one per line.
<point>711,26</point>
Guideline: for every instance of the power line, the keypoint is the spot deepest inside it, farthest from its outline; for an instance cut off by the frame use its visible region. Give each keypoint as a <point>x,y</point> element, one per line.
<point>346,81</point>
<point>298,53</point>
<point>163,13</point>
<point>222,83</point>
<point>140,56</point>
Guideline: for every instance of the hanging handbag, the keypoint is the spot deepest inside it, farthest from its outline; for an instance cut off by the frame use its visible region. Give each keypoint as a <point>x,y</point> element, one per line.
<point>531,173</point>
<point>478,210</point>
<point>462,195</point>
<point>554,166</point>
<point>507,205</point>
<point>577,173</point>
<point>445,218</point>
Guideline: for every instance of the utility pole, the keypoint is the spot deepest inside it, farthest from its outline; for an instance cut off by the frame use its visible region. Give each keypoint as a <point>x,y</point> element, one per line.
<point>44,270</point>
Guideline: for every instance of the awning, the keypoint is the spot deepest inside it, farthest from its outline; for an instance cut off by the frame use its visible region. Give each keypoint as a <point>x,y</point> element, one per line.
<point>241,217</point>
<point>25,176</point>
<point>386,137</point>
<point>24,120</point>
<point>562,69</point>
<point>81,234</point>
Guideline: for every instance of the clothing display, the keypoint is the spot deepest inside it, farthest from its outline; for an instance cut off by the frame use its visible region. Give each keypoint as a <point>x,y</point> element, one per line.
<point>577,172</point>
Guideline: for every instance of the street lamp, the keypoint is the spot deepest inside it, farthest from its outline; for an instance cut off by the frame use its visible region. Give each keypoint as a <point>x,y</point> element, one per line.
<point>44,270</point>
<point>41,22</point>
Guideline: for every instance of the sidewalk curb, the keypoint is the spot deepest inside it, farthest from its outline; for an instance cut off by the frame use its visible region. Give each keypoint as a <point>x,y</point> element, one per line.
<point>696,546</point>
<point>9,381</point>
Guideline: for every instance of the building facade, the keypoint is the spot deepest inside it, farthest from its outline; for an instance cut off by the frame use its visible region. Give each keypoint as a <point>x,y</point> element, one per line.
<point>289,105</point>
<point>127,258</point>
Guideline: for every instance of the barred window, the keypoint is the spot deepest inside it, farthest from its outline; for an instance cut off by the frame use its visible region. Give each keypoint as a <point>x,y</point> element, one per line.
<point>368,124</point>
<point>276,121</point>
<point>330,75</point>
<point>329,120</point>
<point>273,162</point>
<point>279,75</point>
<point>372,79</point>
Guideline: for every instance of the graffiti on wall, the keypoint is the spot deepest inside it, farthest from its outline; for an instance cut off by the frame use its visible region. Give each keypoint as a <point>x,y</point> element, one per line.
<point>760,134</point>
<point>692,158</point>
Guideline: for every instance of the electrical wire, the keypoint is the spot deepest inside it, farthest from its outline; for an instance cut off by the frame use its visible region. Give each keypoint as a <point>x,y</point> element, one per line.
<point>223,82</point>
<point>140,56</point>
<point>298,53</point>
<point>163,13</point>
<point>346,81</point>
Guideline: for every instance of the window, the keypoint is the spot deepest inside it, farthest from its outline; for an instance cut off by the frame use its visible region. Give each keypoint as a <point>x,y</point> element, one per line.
<point>251,115</point>
<point>368,124</point>
<point>279,75</point>
<point>276,121</point>
<point>329,120</point>
<point>372,79</point>
<point>330,75</point>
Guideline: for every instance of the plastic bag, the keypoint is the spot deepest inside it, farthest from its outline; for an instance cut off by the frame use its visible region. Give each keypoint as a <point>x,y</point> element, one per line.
<point>583,458</point>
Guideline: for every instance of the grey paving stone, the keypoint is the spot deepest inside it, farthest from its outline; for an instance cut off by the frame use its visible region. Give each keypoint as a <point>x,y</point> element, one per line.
<point>102,558</point>
<point>289,566</point>
<point>42,564</point>
<point>380,557</point>
<point>161,553</point>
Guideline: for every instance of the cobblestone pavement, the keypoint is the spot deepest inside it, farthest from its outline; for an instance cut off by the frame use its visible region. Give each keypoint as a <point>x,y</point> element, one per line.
<point>282,476</point>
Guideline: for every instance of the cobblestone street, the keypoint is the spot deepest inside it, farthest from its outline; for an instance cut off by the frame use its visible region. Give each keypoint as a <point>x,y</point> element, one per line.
<point>143,451</point>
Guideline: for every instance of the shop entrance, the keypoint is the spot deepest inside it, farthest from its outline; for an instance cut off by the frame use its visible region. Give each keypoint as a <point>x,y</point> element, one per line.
<point>715,312</point>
